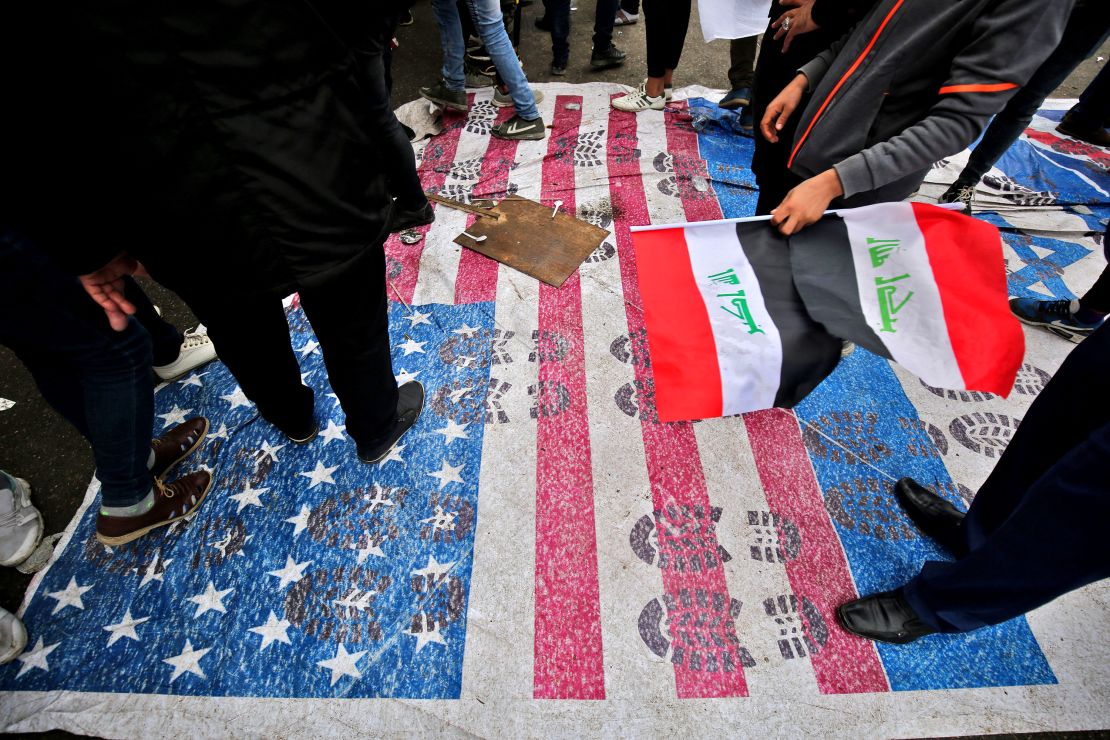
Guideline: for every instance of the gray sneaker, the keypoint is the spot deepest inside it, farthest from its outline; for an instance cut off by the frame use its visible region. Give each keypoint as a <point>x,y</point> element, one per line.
<point>516,129</point>
<point>20,522</point>
<point>505,99</point>
<point>13,636</point>
<point>440,95</point>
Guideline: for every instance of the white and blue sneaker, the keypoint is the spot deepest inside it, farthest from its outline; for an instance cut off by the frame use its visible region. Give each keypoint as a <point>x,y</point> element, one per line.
<point>1056,316</point>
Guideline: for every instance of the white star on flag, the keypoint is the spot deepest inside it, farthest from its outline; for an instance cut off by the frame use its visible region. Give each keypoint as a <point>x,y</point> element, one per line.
<point>152,572</point>
<point>405,376</point>
<point>365,552</point>
<point>269,451</point>
<point>36,657</point>
<point>69,596</point>
<point>466,330</point>
<point>419,318</point>
<point>221,432</point>
<point>467,360</point>
<point>275,630</point>
<point>291,573</point>
<point>453,431</point>
<point>193,379</point>
<point>174,416</point>
<point>393,456</point>
<point>377,497</point>
<point>300,521</point>
<point>412,346</point>
<point>332,432</point>
<point>187,661</point>
<point>343,664</point>
<point>248,497</point>
<point>210,600</point>
<point>447,473</point>
<point>309,347</point>
<point>124,628</point>
<point>457,394</point>
<point>434,571</point>
<point>322,474</point>
<point>429,634</point>
<point>237,398</point>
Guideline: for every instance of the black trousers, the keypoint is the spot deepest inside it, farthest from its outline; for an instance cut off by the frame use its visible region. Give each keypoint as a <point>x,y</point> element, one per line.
<point>666,22</point>
<point>349,313</point>
<point>1037,527</point>
<point>741,70</point>
<point>1098,297</point>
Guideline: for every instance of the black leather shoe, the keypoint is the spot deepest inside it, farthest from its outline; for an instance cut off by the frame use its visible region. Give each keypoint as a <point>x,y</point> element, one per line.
<point>933,515</point>
<point>885,617</point>
<point>606,58</point>
<point>410,402</point>
<point>409,218</point>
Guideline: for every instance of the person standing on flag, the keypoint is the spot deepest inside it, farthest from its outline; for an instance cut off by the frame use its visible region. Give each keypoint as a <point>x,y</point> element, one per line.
<point>915,81</point>
<point>1034,531</point>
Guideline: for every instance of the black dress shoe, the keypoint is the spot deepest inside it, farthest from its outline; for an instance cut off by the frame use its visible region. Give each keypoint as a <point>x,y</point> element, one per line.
<point>410,402</point>
<point>409,218</point>
<point>885,617</point>
<point>933,515</point>
<point>605,58</point>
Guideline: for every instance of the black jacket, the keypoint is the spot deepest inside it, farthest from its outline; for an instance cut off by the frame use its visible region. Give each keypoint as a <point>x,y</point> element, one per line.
<point>221,139</point>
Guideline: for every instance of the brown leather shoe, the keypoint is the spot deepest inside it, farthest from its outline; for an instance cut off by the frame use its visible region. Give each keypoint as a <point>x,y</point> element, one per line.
<point>172,501</point>
<point>180,442</point>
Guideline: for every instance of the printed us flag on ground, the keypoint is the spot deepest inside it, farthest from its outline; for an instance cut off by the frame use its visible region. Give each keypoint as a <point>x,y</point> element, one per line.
<point>542,534</point>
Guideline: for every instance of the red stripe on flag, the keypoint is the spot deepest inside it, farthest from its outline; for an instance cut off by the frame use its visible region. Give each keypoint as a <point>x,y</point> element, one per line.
<point>569,663</point>
<point>819,572</point>
<point>687,373</point>
<point>699,600</point>
<point>1069,146</point>
<point>477,276</point>
<point>403,260</point>
<point>682,143</point>
<point>965,255</point>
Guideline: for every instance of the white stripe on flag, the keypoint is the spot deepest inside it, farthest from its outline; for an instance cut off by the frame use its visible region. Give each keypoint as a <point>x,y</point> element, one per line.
<point>898,292</point>
<point>750,363</point>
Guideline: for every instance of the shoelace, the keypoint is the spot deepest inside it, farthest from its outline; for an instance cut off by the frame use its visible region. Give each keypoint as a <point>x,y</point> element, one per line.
<point>194,339</point>
<point>1057,308</point>
<point>965,194</point>
<point>166,491</point>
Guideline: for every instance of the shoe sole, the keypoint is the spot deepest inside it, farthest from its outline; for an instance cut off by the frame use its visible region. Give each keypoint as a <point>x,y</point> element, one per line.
<point>606,65</point>
<point>190,451</point>
<point>1072,336</point>
<point>26,552</point>
<point>172,377</point>
<point>521,137</point>
<point>19,634</point>
<point>131,536</point>
<point>461,108</point>
<point>306,440</point>
<point>385,454</point>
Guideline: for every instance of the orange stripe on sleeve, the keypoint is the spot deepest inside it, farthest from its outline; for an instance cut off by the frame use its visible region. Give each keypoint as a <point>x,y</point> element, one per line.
<point>994,87</point>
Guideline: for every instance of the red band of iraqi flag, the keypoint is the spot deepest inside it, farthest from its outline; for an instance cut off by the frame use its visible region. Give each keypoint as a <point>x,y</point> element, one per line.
<point>740,319</point>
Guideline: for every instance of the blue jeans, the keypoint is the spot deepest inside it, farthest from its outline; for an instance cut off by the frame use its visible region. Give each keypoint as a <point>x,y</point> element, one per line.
<point>97,378</point>
<point>1087,28</point>
<point>488,20</point>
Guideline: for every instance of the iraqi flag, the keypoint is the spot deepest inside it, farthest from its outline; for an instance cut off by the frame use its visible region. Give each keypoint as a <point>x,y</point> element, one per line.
<point>740,318</point>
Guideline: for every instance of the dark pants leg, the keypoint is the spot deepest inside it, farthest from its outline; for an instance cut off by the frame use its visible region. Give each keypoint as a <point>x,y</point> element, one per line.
<point>604,15</point>
<point>97,378</point>
<point>1097,299</point>
<point>666,22</point>
<point>1087,28</point>
<point>350,316</point>
<point>1093,108</point>
<point>558,15</point>
<point>1036,528</point>
<point>164,337</point>
<point>632,7</point>
<point>741,71</point>
<point>251,335</point>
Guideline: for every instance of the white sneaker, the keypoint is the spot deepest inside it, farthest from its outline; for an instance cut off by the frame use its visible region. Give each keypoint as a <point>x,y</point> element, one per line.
<point>638,100</point>
<point>20,521</point>
<point>196,350</point>
<point>624,18</point>
<point>505,100</point>
<point>13,636</point>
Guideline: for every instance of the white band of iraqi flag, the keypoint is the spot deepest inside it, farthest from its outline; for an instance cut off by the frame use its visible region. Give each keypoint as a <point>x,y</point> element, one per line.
<point>741,319</point>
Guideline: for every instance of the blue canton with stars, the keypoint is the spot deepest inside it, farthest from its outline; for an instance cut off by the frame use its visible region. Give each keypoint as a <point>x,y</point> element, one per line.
<point>306,573</point>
